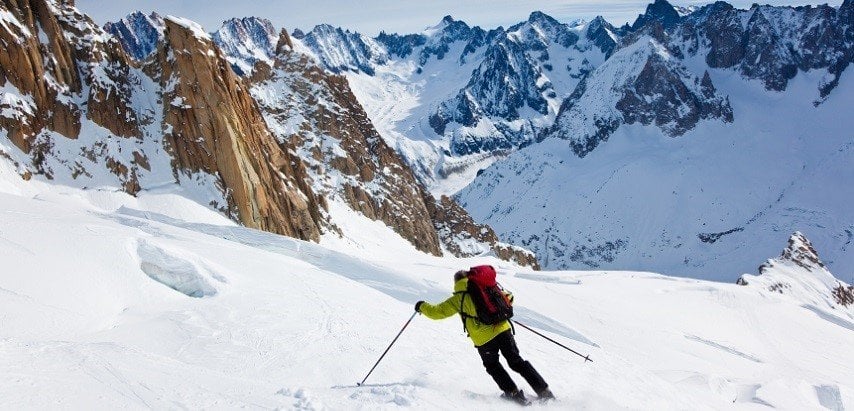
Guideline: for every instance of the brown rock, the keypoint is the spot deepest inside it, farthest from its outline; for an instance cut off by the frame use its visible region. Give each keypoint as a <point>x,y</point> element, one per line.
<point>23,61</point>
<point>214,126</point>
<point>47,72</point>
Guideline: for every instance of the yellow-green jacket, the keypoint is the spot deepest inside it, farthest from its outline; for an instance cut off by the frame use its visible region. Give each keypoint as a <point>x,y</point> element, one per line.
<point>479,333</point>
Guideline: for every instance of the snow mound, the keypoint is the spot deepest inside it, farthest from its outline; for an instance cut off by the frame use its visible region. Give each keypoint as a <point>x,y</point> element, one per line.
<point>173,271</point>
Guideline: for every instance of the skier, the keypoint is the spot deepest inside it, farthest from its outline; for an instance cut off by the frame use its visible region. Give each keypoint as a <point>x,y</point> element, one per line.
<point>489,340</point>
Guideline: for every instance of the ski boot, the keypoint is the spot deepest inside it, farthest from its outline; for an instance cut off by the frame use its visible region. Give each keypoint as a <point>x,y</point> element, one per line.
<point>516,396</point>
<point>545,395</point>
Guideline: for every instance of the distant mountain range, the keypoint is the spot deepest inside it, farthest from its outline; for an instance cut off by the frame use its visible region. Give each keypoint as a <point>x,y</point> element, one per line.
<point>684,143</point>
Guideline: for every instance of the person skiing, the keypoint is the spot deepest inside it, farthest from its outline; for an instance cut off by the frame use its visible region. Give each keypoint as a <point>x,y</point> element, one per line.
<point>489,340</point>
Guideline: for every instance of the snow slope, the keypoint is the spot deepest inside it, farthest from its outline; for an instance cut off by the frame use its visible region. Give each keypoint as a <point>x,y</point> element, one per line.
<point>109,301</point>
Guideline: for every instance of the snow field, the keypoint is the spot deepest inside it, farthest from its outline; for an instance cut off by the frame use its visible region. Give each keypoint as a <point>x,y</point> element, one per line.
<point>275,322</point>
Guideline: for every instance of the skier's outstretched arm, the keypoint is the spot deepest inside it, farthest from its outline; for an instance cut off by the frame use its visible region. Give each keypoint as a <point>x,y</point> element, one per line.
<point>442,310</point>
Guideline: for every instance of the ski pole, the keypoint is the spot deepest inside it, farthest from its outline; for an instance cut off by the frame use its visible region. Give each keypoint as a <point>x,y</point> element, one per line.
<point>586,357</point>
<point>386,350</point>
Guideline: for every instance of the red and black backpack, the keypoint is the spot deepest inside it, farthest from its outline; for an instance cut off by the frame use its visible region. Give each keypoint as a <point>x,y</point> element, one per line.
<point>491,303</point>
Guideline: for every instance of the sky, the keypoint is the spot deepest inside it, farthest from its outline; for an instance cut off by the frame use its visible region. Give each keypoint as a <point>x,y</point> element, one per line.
<point>400,16</point>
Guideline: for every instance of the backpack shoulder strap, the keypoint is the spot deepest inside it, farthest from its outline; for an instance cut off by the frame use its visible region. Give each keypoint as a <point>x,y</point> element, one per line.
<point>463,314</point>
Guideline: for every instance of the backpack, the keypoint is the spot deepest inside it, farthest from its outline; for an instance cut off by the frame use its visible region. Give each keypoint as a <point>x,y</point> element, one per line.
<point>491,303</point>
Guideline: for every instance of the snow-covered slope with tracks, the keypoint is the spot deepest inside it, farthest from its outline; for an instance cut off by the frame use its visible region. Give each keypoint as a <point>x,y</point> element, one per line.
<point>112,301</point>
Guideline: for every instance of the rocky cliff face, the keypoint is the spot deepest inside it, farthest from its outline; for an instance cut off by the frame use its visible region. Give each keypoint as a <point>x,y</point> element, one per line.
<point>316,111</point>
<point>213,125</point>
<point>60,70</point>
<point>82,113</point>
<point>32,30</point>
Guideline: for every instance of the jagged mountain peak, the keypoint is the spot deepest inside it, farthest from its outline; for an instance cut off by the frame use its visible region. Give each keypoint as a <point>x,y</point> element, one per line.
<point>602,34</point>
<point>661,11</point>
<point>138,33</point>
<point>539,16</point>
<point>800,273</point>
<point>437,39</point>
<point>448,24</point>
<point>342,50</point>
<point>801,252</point>
<point>246,41</point>
<point>643,82</point>
<point>540,30</point>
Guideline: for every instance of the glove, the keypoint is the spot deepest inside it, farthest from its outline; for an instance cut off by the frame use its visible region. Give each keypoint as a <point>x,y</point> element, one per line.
<point>418,305</point>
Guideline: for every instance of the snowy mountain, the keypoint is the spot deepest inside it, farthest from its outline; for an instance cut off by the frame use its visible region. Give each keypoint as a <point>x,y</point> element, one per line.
<point>244,218</point>
<point>246,41</point>
<point>723,83</point>
<point>339,50</point>
<point>348,162</point>
<point>508,85</point>
<point>138,33</point>
<point>729,132</point>
<point>465,96</point>
<point>706,204</point>
<point>771,44</point>
<point>79,111</point>
<point>642,83</point>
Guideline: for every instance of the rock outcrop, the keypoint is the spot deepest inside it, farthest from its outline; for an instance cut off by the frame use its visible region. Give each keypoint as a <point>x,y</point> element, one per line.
<point>800,273</point>
<point>42,80</point>
<point>81,110</point>
<point>59,70</point>
<point>213,125</point>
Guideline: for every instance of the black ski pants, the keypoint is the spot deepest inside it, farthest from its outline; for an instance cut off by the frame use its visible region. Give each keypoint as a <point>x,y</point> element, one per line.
<point>506,344</point>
